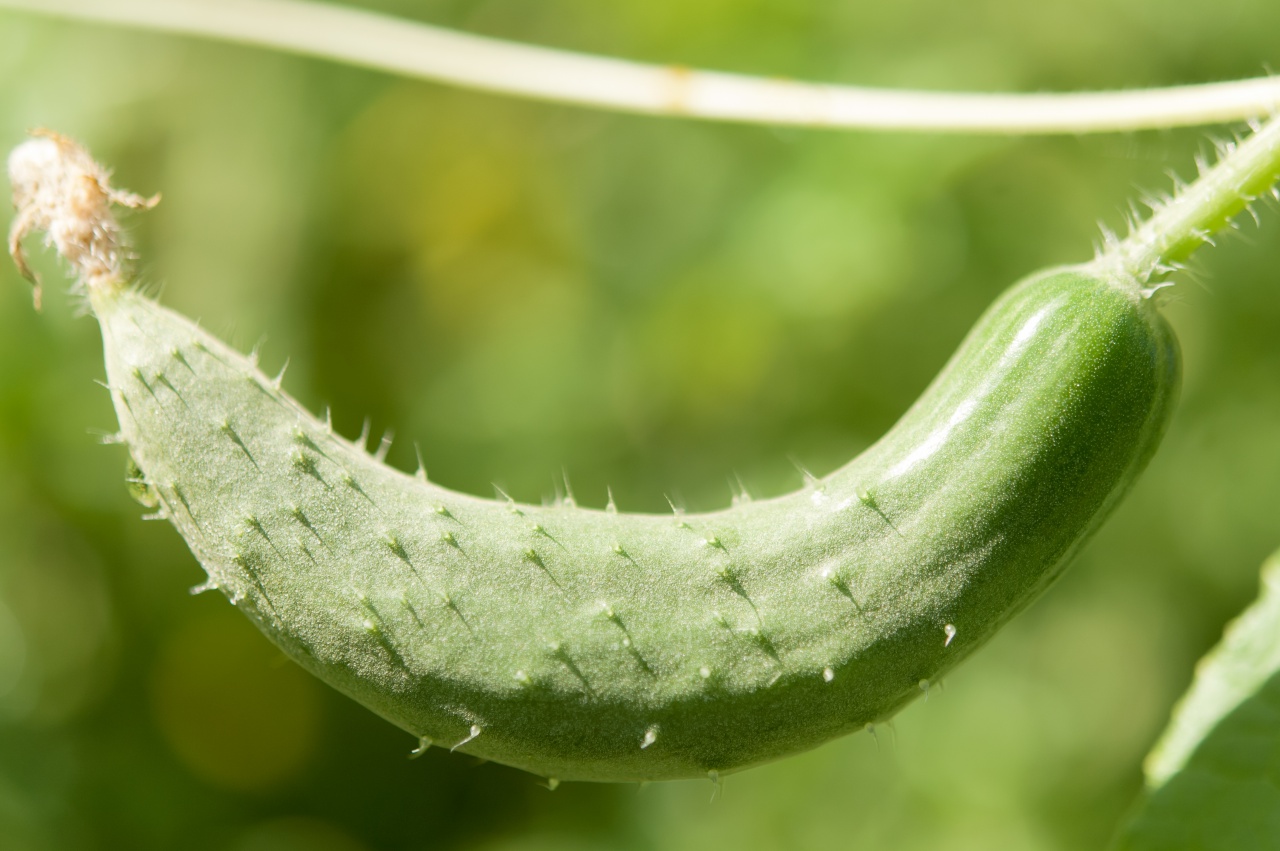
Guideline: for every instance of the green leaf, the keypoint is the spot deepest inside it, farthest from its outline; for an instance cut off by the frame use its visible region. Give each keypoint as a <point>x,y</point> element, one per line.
<point>1213,780</point>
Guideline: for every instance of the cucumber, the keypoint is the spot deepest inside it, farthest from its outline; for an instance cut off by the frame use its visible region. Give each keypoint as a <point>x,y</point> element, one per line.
<point>604,646</point>
<point>590,645</point>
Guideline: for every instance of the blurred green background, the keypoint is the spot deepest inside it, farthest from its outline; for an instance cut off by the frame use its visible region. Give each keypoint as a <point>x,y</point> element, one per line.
<point>659,306</point>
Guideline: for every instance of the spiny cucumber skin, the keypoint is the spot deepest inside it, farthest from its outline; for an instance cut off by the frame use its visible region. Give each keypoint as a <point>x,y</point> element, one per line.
<point>590,645</point>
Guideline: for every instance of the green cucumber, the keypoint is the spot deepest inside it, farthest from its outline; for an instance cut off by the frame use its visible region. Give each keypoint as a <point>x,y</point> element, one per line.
<point>590,645</point>
<point>597,645</point>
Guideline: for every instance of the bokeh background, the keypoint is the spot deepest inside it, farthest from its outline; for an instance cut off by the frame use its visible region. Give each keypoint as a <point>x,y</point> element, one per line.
<point>655,305</point>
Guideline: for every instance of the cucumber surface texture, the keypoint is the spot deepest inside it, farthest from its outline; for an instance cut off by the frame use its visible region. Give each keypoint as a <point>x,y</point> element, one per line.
<point>592,645</point>
<point>597,645</point>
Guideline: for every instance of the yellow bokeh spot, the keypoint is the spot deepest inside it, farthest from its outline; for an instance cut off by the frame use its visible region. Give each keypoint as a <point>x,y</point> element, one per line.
<point>296,834</point>
<point>231,707</point>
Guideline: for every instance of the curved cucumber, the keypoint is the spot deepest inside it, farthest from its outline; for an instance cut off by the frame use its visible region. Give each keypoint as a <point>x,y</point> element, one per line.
<point>593,645</point>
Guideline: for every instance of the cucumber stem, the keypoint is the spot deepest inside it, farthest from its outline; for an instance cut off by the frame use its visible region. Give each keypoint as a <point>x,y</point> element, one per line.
<point>1178,227</point>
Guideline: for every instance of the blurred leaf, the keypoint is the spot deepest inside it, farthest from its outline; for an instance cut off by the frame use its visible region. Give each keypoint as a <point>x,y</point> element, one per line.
<point>1213,780</point>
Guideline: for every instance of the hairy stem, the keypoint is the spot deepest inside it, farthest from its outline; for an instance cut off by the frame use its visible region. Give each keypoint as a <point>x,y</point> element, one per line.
<point>418,50</point>
<point>1178,227</point>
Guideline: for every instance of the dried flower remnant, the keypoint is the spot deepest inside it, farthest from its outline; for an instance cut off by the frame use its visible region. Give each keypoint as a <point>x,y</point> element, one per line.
<point>59,189</point>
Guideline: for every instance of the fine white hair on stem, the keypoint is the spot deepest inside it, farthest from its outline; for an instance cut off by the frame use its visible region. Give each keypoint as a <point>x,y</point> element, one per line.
<point>1245,171</point>
<point>412,49</point>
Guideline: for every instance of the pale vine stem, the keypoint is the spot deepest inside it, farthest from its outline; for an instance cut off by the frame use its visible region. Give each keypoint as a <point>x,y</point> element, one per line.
<point>413,49</point>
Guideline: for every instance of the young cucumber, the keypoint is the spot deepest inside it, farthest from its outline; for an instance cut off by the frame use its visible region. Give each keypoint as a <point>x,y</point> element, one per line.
<point>593,645</point>
<point>596,645</point>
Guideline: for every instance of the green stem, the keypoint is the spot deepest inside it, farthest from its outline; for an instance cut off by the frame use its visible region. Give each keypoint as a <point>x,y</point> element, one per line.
<point>1176,229</point>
